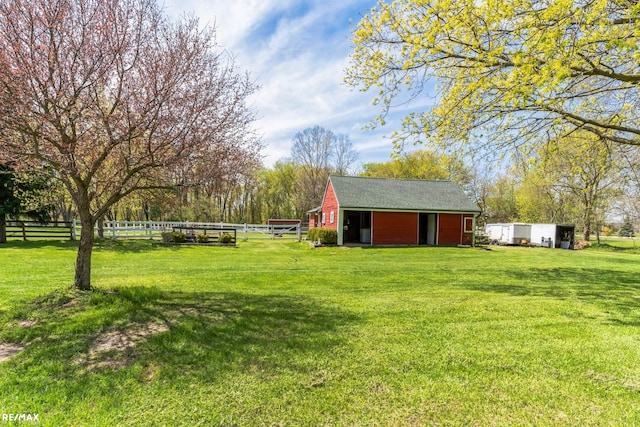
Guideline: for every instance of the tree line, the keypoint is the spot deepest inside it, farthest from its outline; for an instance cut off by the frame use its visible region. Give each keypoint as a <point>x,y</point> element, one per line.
<point>234,187</point>
<point>579,180</point>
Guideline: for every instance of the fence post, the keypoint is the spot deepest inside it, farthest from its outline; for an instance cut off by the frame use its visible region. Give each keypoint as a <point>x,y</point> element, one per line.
<point>113,228</point>
<point>299,227</point>
<point>150,230</point>
<point>246,232</point>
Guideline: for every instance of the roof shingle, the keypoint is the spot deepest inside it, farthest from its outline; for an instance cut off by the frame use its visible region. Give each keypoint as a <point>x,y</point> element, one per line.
<point>400,194</point>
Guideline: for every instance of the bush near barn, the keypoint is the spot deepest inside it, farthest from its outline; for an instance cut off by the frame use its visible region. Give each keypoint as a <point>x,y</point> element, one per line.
<point>326,236</point>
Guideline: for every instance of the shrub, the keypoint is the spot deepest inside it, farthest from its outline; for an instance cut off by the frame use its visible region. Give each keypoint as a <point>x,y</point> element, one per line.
<point>166,237</point>
<point>202,238</point>
<point>225,238</point>
<point>313,234</point>
<point>178,237</point>
<point>327,236</point>
<point>607,231</point>
<point>581,244</point>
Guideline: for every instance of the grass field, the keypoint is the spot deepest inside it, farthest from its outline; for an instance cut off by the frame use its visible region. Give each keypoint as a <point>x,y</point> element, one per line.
<point>276,333</point>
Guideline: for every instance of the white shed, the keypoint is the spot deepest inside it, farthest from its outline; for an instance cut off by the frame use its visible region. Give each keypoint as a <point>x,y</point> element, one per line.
<point>553,235</point>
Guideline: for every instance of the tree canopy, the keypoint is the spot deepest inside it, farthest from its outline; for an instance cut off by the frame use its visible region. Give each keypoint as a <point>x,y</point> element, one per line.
<point>421,164</point>
<point>505,71</point>
<point>115,98</point>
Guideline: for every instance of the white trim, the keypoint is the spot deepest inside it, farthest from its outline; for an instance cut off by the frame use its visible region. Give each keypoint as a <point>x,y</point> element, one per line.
<point>372,228</point>
<point>473,236</point>
<point>340,226</point>
<point>410,211</point>
<point>464,225</point>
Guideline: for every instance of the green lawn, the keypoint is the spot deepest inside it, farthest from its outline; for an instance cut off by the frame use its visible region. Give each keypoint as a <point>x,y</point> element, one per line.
<point>627,244</point>
<point>276,333</point>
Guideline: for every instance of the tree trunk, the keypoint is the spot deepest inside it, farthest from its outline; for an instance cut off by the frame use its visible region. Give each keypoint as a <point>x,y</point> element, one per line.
<point>83,261</point>
<point>3,228</point>
<point>587,216</point>
<point>101,227</point>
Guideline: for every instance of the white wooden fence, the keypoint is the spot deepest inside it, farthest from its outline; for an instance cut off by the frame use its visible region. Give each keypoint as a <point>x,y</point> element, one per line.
<point>154,229</point>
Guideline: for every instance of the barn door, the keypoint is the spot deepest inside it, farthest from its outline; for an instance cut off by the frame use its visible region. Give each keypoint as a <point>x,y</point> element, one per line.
<point>427,229</point>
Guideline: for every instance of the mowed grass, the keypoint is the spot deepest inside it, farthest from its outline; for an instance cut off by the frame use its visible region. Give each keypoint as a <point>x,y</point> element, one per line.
<point>276,333</point>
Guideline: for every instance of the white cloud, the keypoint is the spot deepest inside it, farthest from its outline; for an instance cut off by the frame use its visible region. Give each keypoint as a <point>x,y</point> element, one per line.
<point>297,52</point>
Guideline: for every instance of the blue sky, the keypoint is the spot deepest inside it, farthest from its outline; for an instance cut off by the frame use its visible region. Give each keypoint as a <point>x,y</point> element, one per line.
<point>297,51</point>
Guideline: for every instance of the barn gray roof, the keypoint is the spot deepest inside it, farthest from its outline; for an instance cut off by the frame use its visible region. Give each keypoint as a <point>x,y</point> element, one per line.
<point>400,194</point>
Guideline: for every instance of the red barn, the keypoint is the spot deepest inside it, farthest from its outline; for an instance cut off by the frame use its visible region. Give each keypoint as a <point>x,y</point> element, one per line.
<point>381,211</point>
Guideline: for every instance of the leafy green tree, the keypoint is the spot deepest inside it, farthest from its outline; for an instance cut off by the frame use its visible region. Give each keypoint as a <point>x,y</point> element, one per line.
<point>574,179</point>
<point>505,70</point>
<point>23,195</point>
<point>499,204</point>
<point>421,164</point>
<point>590,170</point>
<point>281,196</point>
<point>540,199</point>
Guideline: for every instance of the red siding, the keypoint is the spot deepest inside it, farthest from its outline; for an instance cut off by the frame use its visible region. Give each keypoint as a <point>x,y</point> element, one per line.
<point>395,228</point>
<point>450,229</point>
<point>329,204</point>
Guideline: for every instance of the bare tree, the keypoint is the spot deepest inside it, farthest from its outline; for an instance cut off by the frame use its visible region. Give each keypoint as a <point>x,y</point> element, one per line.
<point>113,96</point>
<point>312,152</point>
<point>319,152</point>
<point>344,154</point>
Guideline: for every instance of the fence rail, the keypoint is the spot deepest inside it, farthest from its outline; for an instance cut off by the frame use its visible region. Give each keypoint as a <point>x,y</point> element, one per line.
<point>154,229</point>
<point>33,229</point>
<point>149,229</point>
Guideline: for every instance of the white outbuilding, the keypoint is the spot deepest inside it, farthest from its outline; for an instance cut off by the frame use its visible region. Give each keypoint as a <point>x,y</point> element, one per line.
<point>513,233</point>
<point>553,235</point>
<point>545,235</point>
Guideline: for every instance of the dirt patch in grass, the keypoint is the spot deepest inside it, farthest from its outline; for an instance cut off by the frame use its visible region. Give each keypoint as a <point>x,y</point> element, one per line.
<point>112,349</point>
<point>27,323</point>
<point>7,350</point>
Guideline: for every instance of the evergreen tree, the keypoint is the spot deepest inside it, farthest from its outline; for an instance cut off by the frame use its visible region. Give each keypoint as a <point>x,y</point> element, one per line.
<point>627,229</point>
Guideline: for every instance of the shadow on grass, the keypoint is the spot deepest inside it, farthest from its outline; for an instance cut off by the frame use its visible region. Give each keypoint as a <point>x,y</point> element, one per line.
<point>204,337</point>
<point>614,291</point>
<point>123,246</point>
<point>39,244</point>
<point>607,247</point>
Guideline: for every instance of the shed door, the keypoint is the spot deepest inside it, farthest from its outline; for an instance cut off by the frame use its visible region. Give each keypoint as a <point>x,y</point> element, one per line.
<point>428,228</point>
<point>449,229</point>
<point>506,234</point>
